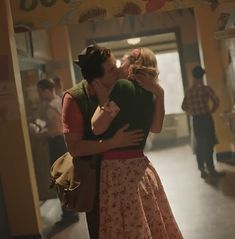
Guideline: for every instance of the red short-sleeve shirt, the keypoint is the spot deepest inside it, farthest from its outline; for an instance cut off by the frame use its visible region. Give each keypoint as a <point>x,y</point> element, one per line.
<point>72,119</point>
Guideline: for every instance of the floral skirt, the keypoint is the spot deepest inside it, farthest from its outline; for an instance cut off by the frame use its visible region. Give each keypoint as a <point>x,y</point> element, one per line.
<point>133,204</point>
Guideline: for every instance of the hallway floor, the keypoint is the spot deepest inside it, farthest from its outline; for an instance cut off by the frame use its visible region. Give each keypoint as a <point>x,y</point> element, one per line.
<point>204,209</point>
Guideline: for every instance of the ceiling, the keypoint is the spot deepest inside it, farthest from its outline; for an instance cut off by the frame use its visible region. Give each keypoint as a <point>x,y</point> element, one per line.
<point>157,43</point>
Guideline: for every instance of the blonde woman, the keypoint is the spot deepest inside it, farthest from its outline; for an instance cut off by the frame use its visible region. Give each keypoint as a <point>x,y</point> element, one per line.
<point>133,203</point>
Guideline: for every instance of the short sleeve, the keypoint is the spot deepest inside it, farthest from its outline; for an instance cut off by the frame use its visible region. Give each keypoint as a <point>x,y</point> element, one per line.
<point>72,119</point>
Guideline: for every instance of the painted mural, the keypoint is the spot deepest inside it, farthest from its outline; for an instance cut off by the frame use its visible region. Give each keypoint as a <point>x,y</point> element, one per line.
<point>48,13</point>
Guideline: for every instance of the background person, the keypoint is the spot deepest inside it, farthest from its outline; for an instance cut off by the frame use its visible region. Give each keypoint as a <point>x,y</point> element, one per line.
<point>52,116</point>
<point>196,103</point>
<point>52,106</point>
<point>59,89</point>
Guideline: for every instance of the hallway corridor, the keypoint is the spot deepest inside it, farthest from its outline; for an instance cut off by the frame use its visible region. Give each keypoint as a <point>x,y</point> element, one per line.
<point>203,209</point>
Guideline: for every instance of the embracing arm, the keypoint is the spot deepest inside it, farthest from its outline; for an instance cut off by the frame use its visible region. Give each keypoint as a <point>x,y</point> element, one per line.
<point>80,147</point>
<point>73,131</point>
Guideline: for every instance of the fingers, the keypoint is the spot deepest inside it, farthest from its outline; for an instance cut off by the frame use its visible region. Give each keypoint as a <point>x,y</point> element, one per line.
<point>138,77</point>
<point>125,138</point>
<point>134,138</point>
<point>145,81</point>
<point>136,132</point>
<point>134,141</point>
<point>137,137</point>
<point>125,127</point>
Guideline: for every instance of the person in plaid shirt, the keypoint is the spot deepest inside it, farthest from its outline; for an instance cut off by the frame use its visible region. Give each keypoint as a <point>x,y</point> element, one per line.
<point>200,102</point>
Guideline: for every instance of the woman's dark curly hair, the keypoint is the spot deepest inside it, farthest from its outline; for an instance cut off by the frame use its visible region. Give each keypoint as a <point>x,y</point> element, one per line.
<point>90,61</point>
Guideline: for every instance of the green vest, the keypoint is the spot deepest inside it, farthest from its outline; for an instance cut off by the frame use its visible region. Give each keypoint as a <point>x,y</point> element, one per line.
<point>87,105</point>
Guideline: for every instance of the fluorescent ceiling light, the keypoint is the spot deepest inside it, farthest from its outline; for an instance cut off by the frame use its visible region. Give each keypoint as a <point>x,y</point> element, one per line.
<point>133,41</point>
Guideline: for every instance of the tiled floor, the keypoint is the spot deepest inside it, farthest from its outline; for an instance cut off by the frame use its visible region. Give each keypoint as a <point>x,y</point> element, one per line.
<point>203,209</point>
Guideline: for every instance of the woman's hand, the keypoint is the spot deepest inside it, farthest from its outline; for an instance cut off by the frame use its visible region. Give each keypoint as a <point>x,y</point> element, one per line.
<point>149,82</point>
<point>123,138</point>
<point>101,92</point>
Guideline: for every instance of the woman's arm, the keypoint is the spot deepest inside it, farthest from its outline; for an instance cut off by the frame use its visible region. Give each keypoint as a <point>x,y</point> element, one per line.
<point>105,112</point>
<point>103,117</point>
<point>149,83</point>
<point>159,111</point>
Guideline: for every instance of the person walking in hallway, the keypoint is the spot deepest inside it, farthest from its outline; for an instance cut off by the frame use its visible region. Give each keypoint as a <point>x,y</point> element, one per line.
<point>51,114</point>
<point>196,103</point>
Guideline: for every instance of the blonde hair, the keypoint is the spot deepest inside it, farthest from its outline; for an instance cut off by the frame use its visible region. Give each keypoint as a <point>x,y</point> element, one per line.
<point>147,58</point>
<point>143,59</point>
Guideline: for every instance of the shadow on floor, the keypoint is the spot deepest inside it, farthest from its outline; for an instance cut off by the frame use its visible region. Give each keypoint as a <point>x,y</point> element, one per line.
<point>51,231</point>
<point>51,218</point>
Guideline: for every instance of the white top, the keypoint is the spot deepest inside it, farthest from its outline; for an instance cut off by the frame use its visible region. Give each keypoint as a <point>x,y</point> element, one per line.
<point>53,117</point>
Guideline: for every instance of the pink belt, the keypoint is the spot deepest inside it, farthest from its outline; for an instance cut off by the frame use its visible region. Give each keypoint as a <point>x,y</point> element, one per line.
<point>127,154</point>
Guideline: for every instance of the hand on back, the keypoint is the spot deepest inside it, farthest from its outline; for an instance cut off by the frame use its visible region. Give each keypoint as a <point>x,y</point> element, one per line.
<point>124,138</point>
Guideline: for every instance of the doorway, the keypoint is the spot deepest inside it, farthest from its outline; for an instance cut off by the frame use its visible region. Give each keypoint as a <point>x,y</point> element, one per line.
<point>165,46</point>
